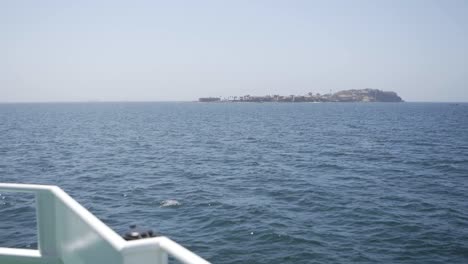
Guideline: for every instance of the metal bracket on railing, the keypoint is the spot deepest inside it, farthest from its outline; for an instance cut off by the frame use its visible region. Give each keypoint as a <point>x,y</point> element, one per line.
<point>138,233</point>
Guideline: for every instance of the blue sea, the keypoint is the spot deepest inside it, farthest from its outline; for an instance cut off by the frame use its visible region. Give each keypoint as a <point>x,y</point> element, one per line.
<point>252,183</point>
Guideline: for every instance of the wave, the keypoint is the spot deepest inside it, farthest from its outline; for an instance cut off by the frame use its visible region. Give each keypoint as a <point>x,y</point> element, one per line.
<point>170,203</point>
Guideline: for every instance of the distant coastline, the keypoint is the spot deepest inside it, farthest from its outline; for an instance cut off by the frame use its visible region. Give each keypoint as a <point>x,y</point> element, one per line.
<point>361,95</point>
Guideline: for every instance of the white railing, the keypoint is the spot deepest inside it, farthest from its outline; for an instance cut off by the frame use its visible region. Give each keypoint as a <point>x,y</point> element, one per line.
<point>69,234</point>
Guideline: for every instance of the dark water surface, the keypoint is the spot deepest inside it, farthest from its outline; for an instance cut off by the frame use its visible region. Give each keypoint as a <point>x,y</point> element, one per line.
<point>256,183</point>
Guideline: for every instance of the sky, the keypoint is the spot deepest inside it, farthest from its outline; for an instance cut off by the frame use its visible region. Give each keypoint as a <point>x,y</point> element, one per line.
<point>112,50</point>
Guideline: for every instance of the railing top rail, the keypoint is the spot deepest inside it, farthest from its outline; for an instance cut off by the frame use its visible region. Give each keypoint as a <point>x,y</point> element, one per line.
<point>179,252</point>
<point>172,248</point>
<point>97,225</point>
<point>29,188</point>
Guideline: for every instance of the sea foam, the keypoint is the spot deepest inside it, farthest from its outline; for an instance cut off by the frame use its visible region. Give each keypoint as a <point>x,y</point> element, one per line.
<point>170,203</point>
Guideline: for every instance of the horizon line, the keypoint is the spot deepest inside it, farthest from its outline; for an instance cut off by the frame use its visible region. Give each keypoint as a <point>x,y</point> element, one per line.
<point>182,101</point>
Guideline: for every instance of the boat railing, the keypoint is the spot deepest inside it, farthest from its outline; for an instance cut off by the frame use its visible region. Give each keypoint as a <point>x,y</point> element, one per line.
<point>68,233</point>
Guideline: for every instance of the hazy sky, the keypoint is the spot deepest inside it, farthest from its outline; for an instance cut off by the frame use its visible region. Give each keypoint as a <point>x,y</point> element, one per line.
<point>181,50</point>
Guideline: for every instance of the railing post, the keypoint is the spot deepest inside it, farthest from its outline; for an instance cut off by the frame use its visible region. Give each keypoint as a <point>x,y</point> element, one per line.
<point>46,223</point>
<point>162,256</point>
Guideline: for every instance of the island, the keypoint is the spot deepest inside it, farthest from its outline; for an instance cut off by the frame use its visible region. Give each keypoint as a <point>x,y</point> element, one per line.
<point>355,95</point>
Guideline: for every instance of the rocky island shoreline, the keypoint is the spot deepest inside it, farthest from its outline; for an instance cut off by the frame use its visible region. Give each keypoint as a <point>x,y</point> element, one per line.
<point>360,95</point>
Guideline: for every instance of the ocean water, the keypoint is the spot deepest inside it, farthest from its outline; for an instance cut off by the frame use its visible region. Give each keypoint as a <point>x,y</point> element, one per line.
<point>252,183</point>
